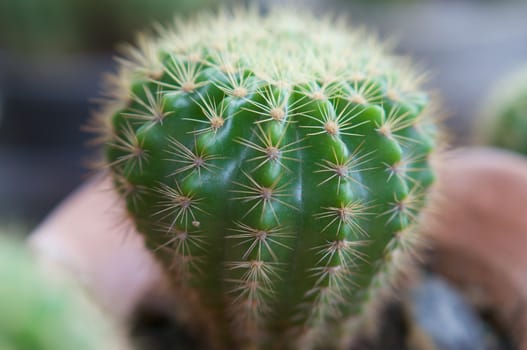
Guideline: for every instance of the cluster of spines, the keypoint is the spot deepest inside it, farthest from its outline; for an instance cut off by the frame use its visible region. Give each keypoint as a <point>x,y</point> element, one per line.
<point>337,93</point>
<point>226,37</point>
<point>262,189</point>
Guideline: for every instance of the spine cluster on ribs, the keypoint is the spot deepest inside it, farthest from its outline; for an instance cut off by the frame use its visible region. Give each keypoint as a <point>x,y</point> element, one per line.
<point>275,165</point>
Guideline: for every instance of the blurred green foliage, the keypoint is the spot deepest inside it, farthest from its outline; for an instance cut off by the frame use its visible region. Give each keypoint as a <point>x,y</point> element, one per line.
<point>42,308</point>
<point>54,26</point>
<point>503,121</point>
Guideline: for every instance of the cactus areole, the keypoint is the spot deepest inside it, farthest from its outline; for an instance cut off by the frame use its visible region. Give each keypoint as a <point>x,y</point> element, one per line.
<point>275,166</point>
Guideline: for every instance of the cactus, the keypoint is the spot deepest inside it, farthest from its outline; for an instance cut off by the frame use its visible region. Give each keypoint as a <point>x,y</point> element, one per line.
<point>42,310</point>
<point>275,165</point>
<point>503,121</point>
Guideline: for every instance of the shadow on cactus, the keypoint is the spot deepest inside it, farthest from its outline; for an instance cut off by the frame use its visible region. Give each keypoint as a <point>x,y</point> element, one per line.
<point>276,167</point>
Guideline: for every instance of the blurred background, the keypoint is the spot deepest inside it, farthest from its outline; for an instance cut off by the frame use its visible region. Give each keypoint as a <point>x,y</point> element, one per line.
<point>54,52</point>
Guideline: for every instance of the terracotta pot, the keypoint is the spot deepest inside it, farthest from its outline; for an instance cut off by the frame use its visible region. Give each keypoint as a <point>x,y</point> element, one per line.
<point>92,238</point>
<point>478,228</point>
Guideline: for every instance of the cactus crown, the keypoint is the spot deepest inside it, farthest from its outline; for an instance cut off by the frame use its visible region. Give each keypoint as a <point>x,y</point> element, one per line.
<point>275,166</point>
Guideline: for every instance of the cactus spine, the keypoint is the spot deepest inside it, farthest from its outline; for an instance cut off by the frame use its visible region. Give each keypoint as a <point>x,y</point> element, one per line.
<point>275,165</point>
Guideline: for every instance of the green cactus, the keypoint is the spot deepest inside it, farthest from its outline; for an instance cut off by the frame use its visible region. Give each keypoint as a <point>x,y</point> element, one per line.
<point>503,120</point>
<point>42,310</point>
<point>275,166</point>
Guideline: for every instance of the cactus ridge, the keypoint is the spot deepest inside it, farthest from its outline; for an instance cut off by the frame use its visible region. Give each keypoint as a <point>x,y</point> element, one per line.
<point>272,164</point>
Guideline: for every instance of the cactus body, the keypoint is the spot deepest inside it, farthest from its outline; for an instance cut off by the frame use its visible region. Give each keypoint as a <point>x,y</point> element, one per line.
<point>40,310</point>
<point>273,165</point>
<point>504,116</point>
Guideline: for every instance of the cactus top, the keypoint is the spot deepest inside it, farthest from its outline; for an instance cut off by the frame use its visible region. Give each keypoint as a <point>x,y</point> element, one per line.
<point>274,165</point>
<point>282,49</point>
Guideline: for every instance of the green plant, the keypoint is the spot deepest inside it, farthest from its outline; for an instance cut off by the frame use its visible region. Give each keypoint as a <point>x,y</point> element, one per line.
<point>275,166</point>
<point>503,121</point>
<point>42,310</point>
<point>53,26</point>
